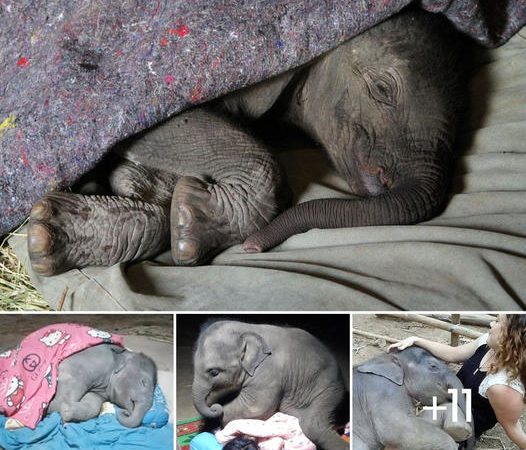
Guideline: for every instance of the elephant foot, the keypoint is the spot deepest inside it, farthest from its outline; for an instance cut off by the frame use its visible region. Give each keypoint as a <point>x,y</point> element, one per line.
<point>69,231</point>
<point>459,431</point>
<point>67,413</point>
<point>208,218</point>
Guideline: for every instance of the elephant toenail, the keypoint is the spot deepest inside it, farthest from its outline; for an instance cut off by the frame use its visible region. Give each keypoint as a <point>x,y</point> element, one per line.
<point>187,249</point>
<point>42,210</point>
<point>44,268</point>
<point>39,239</point>
<point>184,216</point>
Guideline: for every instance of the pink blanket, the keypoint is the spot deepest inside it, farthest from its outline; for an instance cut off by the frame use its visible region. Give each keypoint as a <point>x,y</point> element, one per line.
<point>280,432</point>
<point>28,373</point>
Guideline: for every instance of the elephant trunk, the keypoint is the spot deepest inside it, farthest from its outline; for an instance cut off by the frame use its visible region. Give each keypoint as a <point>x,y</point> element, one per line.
<point>134,413</point>
<point>409,201</point>
<point>199,396</point>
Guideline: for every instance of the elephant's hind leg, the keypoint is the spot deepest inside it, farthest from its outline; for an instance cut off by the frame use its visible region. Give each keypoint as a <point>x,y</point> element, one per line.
<point>230,185</point>
<point>460,430</point>
<point>209,217</point>
<point>69,231</point>
<point>315,421</point>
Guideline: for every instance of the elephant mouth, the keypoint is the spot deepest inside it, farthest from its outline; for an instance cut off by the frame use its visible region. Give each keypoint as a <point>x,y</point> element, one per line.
<point>222,396</point>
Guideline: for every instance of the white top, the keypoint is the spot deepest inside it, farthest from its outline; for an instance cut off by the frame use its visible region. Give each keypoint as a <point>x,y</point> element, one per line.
<point>501,377</point>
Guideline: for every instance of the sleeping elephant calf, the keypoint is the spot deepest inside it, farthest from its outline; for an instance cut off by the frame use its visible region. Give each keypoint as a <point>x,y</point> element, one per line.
<point>384,106</point>
<point>248,371</point>
<point>386,390</point>
<point>105,372</point>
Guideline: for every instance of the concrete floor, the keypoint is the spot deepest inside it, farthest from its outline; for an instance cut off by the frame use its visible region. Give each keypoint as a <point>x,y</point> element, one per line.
<point>151,334</point>
<point>332,329</point>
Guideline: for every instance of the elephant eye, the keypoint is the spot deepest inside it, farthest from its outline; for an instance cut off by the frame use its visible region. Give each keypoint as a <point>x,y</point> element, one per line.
<point>383,92</point>
<point>382,87</point>
<point>213,372</point>
<point>434,367</point>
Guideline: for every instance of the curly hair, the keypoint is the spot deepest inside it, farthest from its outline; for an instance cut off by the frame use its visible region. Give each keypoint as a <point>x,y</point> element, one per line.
<point>511,351</point>
<point>241,443</point>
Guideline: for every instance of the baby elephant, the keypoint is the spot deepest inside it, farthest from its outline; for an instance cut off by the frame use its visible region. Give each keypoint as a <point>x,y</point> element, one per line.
<point>248,371</point>
<point>386,391</point>
<point>384,106</point>
<point>105,372</point>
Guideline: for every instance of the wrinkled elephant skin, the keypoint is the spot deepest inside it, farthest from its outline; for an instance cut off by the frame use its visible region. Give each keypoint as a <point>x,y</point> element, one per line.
<point>248,371</point>
<point>386,390</point>
<point>384,106</point>
<point>122,377</point>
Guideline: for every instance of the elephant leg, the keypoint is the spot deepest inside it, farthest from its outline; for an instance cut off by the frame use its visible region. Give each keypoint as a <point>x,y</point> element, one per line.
<point>315,421</point>
<point>230,185</point>
<point>358,444</point>
<point>460,430</point>
<point>136,181</point>
<point>249,407</point>
<point>73,231</point>
<point>319,429</point>
<point>413,433</point>
<point>87,407</point>
<point>69,231</point>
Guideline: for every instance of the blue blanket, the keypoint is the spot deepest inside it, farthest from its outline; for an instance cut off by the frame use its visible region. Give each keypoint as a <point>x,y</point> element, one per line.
<point>101,433</point>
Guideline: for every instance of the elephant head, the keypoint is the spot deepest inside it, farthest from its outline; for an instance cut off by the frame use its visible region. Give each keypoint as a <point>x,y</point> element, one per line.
<point>385,107</point>
<point>420,373</point>
<point>131,385</point>
<point>225,357</point>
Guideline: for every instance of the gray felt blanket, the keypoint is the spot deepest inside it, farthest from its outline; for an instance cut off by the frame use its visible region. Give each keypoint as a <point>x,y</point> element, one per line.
<point>77,76</point>
<point>471,257</point>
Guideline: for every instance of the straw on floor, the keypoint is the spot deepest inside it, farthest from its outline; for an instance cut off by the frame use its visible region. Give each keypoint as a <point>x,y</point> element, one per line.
<point>16,291</point>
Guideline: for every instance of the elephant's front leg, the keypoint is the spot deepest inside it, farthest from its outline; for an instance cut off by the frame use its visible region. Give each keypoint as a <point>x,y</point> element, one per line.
<point>459,429</point>
<point>413,433</point>
<point>69,231</point>
<point>250,405</point>
<point>231,185</point>
<point>86,408</point>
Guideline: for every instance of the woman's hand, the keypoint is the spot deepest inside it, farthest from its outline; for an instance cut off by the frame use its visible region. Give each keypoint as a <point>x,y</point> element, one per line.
<point>404,343</point>
<point>442,351</point>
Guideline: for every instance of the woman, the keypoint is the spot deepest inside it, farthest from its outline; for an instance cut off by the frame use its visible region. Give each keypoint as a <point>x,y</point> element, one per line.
<point>494,369</point>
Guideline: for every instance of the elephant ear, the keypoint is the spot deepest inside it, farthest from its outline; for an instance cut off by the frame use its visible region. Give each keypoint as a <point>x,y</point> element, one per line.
<point>120,358</point>
<point>388,367</point>
<point>254,350</point>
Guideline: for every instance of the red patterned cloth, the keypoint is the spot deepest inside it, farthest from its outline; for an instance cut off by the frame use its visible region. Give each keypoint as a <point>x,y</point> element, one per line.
<point>28,373</point>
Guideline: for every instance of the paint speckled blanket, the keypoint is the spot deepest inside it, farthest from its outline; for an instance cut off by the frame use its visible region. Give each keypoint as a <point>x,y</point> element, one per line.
<point>77,76</point>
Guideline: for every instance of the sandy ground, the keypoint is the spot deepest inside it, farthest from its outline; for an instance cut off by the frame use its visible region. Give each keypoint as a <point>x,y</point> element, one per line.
<point>365,348</point>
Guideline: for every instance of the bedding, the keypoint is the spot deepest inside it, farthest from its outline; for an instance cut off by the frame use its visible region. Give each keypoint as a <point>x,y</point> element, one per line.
<point>101,433</point>
<point>470,257</point>
<point>279,432</point>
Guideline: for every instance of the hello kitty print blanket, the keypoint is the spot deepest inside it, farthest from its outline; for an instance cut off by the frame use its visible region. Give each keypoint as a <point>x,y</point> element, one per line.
<point>28,373</point>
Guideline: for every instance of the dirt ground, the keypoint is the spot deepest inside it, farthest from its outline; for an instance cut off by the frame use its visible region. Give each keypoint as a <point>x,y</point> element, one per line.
<point>365,348</point>
<point>158,327</point>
